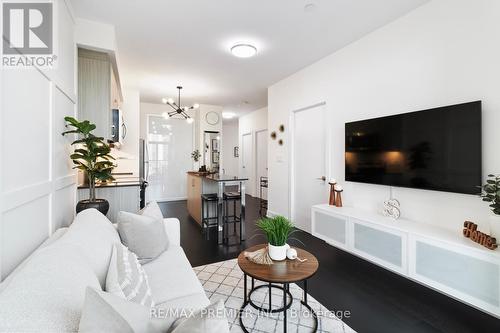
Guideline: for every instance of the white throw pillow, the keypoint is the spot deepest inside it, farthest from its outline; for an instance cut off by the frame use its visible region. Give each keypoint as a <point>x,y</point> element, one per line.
<point>143,235</point>
<point>211,319</point>
<point>105,312</point>
<point>152,210</point>
<point>126,277</point>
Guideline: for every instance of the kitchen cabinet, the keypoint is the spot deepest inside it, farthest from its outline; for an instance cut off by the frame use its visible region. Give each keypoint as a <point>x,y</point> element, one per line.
<point>98,92</point>
<point>120,197</point>
<point>194,191</point>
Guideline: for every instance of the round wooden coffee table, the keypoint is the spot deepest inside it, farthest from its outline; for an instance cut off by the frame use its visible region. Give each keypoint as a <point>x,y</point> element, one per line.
<point>279,273</point>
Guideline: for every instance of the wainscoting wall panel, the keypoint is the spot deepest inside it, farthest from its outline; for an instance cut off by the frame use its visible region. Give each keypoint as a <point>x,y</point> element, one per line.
<point>24,228</point>
<point>37,183</point>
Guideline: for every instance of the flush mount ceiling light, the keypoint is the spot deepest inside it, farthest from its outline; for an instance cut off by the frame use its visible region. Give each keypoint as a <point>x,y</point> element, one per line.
<point>228,115</point>
<point>178,109</point>
<point>310,7</point>
<point>242,50</point>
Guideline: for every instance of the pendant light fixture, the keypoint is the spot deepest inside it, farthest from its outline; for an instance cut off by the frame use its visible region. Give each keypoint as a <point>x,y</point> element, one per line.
<point>178,109</point>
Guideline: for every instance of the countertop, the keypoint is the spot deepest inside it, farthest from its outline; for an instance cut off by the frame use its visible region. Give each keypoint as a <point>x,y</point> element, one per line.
<point>217,177</point>
<point>225,178</point>
<point>118,182</point>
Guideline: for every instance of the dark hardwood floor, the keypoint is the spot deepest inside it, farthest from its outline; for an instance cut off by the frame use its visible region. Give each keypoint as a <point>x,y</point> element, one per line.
<point>378,300</point>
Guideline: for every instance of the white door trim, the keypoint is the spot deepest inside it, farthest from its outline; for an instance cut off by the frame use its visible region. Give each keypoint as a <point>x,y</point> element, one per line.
<point>257,180</point>
<point>252,159</point>
<point>291,152</point>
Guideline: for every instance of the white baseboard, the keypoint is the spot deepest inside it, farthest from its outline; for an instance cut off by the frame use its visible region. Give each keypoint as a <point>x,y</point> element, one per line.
<point>171,199</point>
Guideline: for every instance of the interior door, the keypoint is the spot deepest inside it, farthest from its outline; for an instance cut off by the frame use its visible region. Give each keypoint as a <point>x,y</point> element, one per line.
<point>309,185</point>
<point>261,156</point>
<point>169,146</point>
<point>246,160</point>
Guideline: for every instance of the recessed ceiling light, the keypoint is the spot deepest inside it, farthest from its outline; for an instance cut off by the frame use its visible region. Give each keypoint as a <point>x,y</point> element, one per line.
<point>243,50</point>
<point>228,115</point>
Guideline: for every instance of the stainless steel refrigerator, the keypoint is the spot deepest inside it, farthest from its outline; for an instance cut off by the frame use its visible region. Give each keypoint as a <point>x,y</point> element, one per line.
<point>143,170</point>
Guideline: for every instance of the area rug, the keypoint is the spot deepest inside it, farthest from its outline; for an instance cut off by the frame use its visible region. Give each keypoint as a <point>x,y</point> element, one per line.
<point>224,280</point>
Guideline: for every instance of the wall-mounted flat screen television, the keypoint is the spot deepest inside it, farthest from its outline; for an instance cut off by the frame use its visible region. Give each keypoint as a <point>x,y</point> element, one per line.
<point>436,149</point>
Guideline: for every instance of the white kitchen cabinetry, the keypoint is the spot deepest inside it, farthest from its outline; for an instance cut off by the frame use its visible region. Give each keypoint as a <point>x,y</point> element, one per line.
<point>121,198</point>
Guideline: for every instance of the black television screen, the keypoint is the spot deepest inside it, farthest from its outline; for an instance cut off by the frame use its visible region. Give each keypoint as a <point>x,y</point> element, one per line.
<point>436,149</point>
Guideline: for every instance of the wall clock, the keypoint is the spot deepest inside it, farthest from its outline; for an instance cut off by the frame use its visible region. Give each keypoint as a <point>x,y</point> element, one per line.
<point>212,118</point>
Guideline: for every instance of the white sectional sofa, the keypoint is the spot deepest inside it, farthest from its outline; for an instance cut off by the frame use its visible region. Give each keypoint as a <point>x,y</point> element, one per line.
<point>46,293</point>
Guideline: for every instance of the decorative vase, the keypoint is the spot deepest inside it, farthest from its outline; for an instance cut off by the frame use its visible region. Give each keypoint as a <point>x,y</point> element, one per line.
<point>278,253</point>
<point>332,200</point>
<point>101,205</point>
<point>495,226</point>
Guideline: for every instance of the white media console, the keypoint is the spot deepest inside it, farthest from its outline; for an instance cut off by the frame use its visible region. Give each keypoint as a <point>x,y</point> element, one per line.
<point>438,258</point>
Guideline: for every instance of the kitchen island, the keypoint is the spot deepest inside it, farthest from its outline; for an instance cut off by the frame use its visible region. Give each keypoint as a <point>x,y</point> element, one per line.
<point>199,183</point>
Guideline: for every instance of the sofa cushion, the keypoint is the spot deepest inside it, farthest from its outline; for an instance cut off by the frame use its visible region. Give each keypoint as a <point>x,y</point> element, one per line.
<point>152,210</point>
<point>48,292</point>
<point>171,276</point>
<point>193,301</point>
<point>95,236</point>
<point>126,277</point>
<point>143,235</point>
<point>104,312</point>
<point>173,231</point>
<point>211,319</point>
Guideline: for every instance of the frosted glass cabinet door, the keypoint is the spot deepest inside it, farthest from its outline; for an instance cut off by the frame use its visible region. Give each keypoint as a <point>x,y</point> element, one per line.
<point>468,277</point>
<point>386,248</point>
<point>330,228</point>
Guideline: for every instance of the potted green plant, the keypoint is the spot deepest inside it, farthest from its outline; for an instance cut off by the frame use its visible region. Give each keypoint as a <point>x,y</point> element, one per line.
<point>277,230</point>
<point>92,156</point>
<point>195,155</point>
<point>491,193</point>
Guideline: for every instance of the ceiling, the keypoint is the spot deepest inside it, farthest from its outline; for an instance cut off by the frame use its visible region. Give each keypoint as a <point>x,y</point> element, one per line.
<point>164,43</point>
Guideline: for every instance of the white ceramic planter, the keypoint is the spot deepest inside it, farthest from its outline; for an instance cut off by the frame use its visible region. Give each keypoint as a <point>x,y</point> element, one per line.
<point>495,226</point>
<point>278,252</point>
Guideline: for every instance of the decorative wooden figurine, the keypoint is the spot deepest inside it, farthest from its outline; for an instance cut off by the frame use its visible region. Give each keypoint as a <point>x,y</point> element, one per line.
<point>338,194</point>
<point>332,184</point>
<point>470,231</point>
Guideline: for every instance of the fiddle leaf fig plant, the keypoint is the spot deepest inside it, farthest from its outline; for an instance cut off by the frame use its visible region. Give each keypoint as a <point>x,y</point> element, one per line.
<point>491,193</point>
<point>91,154</point>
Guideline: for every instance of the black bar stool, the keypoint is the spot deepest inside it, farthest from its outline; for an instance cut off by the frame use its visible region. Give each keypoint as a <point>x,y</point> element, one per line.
<point>264,181</point>
<point>208,221</point>
<point>235,217</point>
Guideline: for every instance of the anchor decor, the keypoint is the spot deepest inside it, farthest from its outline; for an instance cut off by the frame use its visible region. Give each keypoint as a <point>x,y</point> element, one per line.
<point>392,208</point>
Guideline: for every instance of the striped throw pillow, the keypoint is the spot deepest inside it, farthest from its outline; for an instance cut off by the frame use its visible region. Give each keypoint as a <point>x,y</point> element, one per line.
<point>126,277</point>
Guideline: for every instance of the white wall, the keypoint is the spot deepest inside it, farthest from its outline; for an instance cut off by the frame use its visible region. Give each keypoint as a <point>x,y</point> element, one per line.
<point>201,124</point>
<point>229,141</point>
<point>36,179</point>
<point>250,124</point>
<point>199,115</point>
<point>442,53</point>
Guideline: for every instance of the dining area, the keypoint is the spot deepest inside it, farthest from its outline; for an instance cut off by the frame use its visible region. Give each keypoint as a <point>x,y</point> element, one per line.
<point>217,203</point>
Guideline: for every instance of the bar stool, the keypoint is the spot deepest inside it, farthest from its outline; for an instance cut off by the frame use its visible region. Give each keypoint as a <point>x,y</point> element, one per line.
<point>208,221</point>
<point>235,198</point>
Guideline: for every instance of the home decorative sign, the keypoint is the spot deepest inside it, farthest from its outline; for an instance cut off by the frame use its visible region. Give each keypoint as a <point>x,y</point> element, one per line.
<point>470,231</point>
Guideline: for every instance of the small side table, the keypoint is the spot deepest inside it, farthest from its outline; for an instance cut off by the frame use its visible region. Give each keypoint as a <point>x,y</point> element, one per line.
<point>280,273</point>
